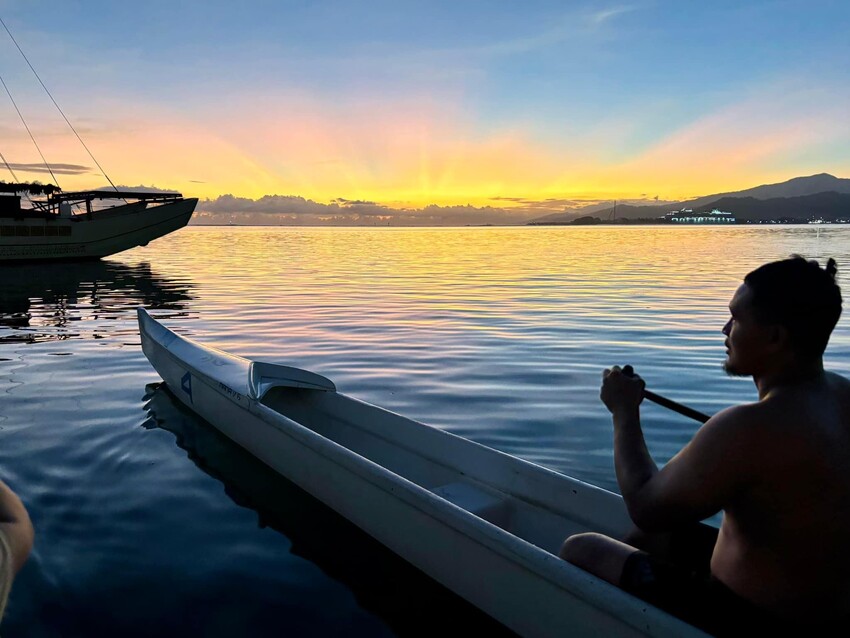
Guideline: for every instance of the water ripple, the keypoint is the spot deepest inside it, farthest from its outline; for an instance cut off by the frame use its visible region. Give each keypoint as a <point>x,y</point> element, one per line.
<point>497,334</point>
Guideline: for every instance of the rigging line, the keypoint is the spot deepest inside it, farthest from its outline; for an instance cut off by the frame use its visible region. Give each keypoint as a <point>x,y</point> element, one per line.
<point>20,115</point>
<point>103,172</point>
<point>14,177</point>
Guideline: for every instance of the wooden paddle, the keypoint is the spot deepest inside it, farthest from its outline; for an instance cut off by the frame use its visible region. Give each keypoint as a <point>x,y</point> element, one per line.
<point>684,410</point>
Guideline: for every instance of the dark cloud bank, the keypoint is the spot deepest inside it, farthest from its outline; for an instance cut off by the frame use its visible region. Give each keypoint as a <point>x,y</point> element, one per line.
<point>292,210</point>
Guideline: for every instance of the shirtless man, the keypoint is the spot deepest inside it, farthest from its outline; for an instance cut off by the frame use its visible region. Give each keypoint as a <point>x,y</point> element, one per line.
<point>779,469</point>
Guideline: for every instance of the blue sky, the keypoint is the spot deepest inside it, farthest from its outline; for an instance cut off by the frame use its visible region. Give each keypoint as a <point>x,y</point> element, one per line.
<point>594,96</point>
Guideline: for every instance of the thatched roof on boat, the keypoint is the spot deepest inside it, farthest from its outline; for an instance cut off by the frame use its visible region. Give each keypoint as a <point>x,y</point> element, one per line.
<point>33,189</point>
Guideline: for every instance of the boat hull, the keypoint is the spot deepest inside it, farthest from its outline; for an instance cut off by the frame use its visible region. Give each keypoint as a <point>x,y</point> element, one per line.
<point>527,589</point>
<point>103,233</point>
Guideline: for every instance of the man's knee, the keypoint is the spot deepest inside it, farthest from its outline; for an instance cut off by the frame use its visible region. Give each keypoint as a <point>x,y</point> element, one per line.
<point>598,554</point>
<point>578,547</point>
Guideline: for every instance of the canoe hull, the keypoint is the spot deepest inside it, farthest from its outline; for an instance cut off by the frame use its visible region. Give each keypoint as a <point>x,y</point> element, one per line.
<point>530,591</point>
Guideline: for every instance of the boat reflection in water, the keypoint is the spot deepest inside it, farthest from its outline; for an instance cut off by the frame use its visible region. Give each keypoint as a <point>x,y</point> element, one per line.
<point>49,302</point>
<point>407,600</point>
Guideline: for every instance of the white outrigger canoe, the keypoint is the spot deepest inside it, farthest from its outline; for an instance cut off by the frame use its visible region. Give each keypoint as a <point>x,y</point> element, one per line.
<point>484,524</point>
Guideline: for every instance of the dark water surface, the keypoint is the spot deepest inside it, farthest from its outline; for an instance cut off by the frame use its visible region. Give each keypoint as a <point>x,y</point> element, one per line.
<point>150,523</point>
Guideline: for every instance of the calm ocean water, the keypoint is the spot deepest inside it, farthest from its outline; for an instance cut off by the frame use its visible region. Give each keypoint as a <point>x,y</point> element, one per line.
<point>149,523</point>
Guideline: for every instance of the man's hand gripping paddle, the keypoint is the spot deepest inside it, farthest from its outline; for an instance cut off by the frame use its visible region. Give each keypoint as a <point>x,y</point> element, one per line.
<point>629,371</point>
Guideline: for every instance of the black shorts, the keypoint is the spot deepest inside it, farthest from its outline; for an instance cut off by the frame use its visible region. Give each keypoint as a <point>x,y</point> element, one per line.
<point>692,594</point>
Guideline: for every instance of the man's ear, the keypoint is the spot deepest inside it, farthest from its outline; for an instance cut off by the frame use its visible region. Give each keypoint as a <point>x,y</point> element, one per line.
<point>778,336</point>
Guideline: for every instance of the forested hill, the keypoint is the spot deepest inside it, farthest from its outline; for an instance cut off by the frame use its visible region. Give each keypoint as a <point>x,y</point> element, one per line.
<point>821,195</point>
<point>830,206</point>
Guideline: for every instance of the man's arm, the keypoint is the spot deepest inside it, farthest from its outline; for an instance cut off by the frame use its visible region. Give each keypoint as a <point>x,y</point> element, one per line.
<point>698,482</point>
<point>16,526</point>
<point>703,478</point>
<point>622,395</point>
<point>632,462</point>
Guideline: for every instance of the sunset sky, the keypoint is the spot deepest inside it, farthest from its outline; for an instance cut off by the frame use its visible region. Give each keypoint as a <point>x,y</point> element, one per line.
<point>432,112</point>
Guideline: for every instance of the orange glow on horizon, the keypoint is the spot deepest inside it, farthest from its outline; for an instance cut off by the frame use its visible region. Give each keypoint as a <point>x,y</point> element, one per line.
<point>415,154</point>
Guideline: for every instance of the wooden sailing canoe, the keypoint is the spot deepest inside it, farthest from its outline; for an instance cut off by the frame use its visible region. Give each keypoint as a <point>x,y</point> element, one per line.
<point>484,524</point>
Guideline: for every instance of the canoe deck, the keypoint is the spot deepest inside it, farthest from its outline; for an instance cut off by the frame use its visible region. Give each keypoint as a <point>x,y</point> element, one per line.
<point>482,481</point>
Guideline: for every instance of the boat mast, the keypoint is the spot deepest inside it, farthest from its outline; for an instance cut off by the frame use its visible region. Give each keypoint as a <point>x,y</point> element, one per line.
<point>26,126</point>
<point>58,108</point>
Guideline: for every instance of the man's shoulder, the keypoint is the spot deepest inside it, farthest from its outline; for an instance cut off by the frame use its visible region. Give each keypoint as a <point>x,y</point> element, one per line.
<point>739,427</point>
<point>744,415</point>
<point>839,382</point>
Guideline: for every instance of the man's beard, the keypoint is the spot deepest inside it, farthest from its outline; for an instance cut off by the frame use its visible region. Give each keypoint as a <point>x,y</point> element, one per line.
<point>731,371</point>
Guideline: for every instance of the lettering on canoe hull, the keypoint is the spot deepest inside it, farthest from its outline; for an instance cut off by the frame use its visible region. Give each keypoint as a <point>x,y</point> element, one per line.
<point>233,394</point>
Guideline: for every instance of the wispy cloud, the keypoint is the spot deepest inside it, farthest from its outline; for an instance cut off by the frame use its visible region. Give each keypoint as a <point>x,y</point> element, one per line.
<point>578,28</point>
<point>59,169</point>
<point>606,15</point>
<point>770,134</point>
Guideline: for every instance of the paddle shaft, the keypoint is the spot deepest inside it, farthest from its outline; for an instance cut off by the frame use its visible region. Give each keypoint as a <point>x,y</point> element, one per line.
<point>676,407</point>
<point>668,403</point>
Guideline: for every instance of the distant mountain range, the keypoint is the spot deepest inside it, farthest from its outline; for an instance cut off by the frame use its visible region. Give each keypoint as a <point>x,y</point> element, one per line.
<point>822,195</point>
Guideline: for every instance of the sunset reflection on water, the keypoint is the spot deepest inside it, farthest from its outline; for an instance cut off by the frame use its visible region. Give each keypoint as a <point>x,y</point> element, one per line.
<point>497,334</point>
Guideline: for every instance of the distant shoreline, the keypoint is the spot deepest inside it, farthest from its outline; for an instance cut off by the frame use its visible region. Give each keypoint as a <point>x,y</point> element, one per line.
<point>535,224</point>
<point>661,222</point>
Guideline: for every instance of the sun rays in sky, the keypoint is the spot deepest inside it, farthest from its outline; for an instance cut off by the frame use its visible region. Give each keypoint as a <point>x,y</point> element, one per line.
<point>510,111</point>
